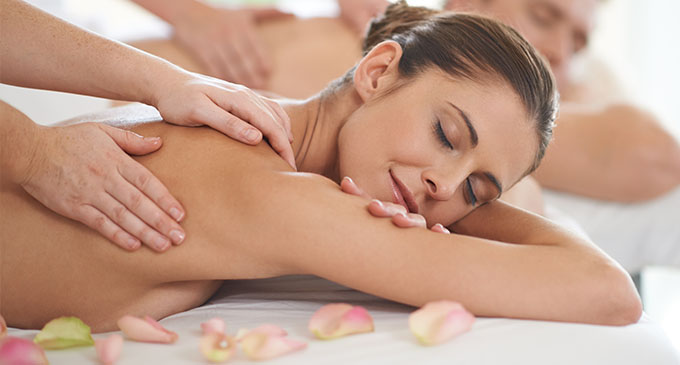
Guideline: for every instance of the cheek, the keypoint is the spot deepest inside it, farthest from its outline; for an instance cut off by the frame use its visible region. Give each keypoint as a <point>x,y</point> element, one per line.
<point>447,212</point>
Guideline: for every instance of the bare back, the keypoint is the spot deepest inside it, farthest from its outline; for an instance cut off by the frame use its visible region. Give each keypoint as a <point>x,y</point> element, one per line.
<point>60,266</point>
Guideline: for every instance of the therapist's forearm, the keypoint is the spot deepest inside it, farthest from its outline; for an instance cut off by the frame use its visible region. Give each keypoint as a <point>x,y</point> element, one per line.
<point>38,50</point>
<point>17,143</point>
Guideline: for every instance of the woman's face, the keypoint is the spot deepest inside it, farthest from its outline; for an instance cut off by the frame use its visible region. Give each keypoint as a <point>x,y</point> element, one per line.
<point>438,146</point>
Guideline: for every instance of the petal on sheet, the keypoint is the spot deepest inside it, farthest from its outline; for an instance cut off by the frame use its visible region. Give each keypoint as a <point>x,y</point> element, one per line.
<point>217,347</point>
<point>109,348</point>
<point>14,350</point>
<point>213,325</point>
<point>340,319</point>
<point>440,321</point>
<point>267,343</point>
<point>3,327</point>
<point>145,330</point>
<point>64,332</point>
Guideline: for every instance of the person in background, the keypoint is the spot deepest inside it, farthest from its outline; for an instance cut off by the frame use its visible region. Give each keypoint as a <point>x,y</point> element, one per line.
<point>83,171</point>
<point>603,149</point>
<point>225,40</point>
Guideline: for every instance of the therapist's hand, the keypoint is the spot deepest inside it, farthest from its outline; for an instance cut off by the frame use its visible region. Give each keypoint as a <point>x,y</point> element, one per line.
<point>192,99</point>
<point>82,172</point>
<point>225,41</point>
<point>357,13</point>
<point>397,213</point>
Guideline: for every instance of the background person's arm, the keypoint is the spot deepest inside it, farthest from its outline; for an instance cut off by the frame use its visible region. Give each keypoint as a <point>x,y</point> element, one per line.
<point>617,152</point>
<point>224,40</point>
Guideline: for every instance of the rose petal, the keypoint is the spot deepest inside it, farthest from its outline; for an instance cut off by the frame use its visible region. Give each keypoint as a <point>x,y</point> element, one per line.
<point>64,332</point>
<point>145,330</point>
<point>266,342</point>
<point>217,347</point>
<point>340,319</point>
<point>439,321</point>
<point>3,327</point>
<point>14,350</point>
<point>213,325</point>
<point>267,329</point>
<point>109,348</point>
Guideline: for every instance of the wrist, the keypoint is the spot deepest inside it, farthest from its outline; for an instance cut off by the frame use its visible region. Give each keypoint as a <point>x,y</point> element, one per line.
<point>20,142</point>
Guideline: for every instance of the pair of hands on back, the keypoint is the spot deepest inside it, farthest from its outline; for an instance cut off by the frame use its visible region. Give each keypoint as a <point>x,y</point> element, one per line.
<point>82,171</point>
<point>225,41</point>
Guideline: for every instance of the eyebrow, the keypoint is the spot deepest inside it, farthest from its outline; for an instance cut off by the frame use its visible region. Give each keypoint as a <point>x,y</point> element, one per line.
<point>474,140</point>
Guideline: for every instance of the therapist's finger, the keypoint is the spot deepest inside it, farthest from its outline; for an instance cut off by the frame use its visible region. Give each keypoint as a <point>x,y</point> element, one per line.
<point>348,186</point>
<point>128,221</point>
<point>98,221</point>
<point>139,176</point>
<point>137,214</point>
<point>246,105</point>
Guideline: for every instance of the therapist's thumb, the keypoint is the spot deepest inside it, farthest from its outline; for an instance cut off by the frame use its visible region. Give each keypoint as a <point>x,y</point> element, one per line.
<point>131,142</point>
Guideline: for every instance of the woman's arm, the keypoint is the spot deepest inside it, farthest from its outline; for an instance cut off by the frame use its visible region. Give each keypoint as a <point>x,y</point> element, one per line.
<point>300,223</point>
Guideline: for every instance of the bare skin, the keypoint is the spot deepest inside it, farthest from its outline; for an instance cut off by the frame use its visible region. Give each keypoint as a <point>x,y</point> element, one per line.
<point>641,162</point>
<point>250,216</point>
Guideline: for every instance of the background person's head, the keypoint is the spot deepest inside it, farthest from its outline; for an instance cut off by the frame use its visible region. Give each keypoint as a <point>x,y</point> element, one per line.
<point>454,108</point>
<point>559,29</point>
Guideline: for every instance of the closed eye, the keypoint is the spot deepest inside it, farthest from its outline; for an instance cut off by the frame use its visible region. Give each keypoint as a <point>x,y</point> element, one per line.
<point>439,132</point>
<point>472,198</point>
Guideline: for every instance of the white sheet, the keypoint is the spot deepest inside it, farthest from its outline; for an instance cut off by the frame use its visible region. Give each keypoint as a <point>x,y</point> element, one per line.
<point>635,235</point>
<point>290,301</point>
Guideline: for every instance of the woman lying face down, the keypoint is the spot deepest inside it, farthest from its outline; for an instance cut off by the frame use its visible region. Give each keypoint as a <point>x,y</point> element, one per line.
<point>443,113</point>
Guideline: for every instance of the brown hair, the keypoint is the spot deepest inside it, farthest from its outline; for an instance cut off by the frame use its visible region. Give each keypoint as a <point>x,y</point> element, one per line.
<point>470,46</point>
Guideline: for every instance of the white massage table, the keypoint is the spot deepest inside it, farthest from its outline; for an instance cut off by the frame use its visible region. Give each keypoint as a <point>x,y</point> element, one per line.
<point>290,301</point>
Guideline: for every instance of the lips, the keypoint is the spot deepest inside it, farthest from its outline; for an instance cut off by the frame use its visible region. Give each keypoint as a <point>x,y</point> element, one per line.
<point>402,195</point>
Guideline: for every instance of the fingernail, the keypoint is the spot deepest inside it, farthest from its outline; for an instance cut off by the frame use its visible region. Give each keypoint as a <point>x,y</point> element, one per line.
<point>177,236</point>
<point>176,214</point>
<point>153,140</point>
<point>161,243</point>
<point>349,179</point>
<point>252,135</point>
<point>380,204</point>
<point>132,243</point>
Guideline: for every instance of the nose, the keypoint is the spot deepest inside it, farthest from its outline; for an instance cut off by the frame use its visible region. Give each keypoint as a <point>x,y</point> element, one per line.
<point>442,184</point>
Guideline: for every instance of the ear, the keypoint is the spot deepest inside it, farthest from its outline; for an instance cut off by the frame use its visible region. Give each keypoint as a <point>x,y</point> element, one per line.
<point>378,70</point>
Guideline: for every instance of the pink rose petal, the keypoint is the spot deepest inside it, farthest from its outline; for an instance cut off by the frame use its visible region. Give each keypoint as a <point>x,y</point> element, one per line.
<point>340,319</point>
<point>440,321</point>
<point>109,348</point>
<point>213,325</point>
<point>267,342</point>
<point>145,330</point>
<point>267,329</point>
<point>217,347</point>
<point>17,351</point>
<point>3,327</point>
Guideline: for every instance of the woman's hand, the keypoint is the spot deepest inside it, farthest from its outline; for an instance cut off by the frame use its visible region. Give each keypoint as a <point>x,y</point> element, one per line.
<point>226,41</point>
<point>81,172</point>
<point>192,99</point>
<point>399,215</point>
<point>357,13</point>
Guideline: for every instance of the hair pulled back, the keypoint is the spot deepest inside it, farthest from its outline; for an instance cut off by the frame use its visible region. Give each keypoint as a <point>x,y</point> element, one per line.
<point>470,46</point>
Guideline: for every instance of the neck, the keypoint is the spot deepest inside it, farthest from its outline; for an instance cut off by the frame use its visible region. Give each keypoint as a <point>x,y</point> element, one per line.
<point>316,124</point>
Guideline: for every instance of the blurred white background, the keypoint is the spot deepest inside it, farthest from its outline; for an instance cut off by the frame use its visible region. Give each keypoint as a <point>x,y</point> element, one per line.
<point>637,40</point>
